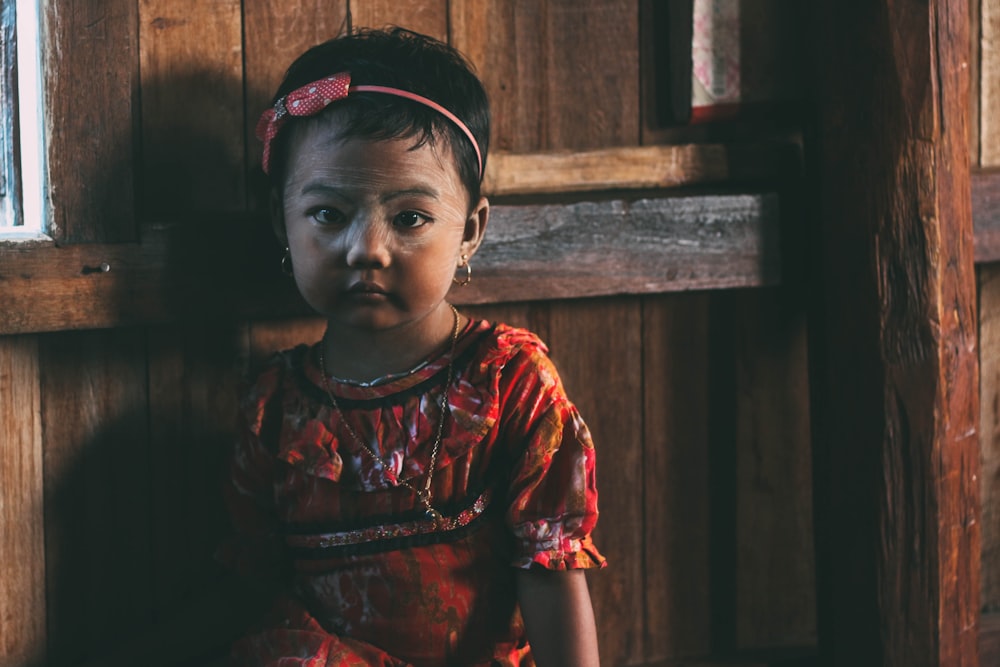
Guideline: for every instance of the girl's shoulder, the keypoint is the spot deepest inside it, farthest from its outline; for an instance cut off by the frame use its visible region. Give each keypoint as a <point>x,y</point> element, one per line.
<point>499,344</point>
<point>261,388</point>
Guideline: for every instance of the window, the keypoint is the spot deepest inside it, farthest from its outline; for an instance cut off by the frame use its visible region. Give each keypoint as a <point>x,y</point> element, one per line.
<point>21,139</point>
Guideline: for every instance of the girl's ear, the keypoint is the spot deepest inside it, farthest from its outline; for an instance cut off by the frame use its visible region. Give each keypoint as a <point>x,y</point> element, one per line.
<point>277,211</point>
<point>475,227</point>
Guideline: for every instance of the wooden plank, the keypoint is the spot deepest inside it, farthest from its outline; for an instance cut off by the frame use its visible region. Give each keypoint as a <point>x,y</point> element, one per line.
<point>975,82</point>
<point>676,405</point>
<point>92,137</point>
<point>618,247</point>
<point>192,107</point>
<point>97,499</point>
<point>989,84</point>
<point>989,640</point>
<point>531,252</point>
<point>274,35</point>
<point>986,214</point>
<point>597,347</point>
<point>989,431</point>
<point>637,167</point>
<point>268,337</point>
<point>22,519</point>
<point>895,385</point>
<point>548,66</point>
<point>423,16</point>
<point>194,374</point>
<point>775,576</point>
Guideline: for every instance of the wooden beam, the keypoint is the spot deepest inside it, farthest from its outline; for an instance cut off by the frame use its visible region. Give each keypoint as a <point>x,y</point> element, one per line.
<point>637,167</point>
<point>895,378</point>
<point>531,252</point>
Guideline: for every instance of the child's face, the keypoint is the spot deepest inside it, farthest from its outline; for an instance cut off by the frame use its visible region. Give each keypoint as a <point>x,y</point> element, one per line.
<point>376,229</point>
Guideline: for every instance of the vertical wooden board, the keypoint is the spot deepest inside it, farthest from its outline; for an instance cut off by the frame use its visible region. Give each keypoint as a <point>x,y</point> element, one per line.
<point>274,35</point>
<point>975,67</point>
<point>675,351</point>
<point>22,520</point>
<point>989,431</point>
<point>596,345</point>
<point>91,96</point>
<point>427,17</point>
<point>549,68</point>
<point>193,387</point>
<point>776,580</point>
<point>97,498</point>
<point>192,106</point>
<point>989,84</point>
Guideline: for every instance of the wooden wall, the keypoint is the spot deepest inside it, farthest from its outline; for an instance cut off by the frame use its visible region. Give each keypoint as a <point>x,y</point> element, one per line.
<point>111,439</point>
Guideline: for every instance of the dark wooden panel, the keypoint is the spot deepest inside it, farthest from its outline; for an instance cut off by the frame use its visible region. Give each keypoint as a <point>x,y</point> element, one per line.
<point>530,252</point>
<point>548,68</point>
<point>194,373</point>
<point>97,477</point>
<point>989,431</point>
<point>192,107</point>
<point>986,214</point>
<point>427,17</point>
<point>92,88</point>
<point>677,408</point>
<point>22,521</point>
<point>274,35</point>
<point>597,347</point>
<point>775,576</point>
<point>895,384</point>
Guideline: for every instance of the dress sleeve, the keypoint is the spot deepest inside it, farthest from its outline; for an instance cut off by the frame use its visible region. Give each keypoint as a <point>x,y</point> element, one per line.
<point>553,492</point>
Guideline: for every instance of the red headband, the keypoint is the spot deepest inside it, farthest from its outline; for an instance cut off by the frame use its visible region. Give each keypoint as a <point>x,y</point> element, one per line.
<point>313,97</point>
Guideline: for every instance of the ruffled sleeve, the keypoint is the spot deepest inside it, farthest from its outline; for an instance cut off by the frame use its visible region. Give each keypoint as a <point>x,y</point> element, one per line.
<point>553,492</point>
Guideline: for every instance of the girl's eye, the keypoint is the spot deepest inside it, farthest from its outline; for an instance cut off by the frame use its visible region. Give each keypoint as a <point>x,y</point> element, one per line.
<point>410,219</point>
<point>327,216</point>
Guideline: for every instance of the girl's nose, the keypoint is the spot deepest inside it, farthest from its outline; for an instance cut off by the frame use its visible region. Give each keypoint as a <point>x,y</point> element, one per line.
<point>367,244</point>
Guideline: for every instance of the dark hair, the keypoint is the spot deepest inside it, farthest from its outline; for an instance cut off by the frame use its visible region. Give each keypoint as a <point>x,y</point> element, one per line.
<point>402,59</point>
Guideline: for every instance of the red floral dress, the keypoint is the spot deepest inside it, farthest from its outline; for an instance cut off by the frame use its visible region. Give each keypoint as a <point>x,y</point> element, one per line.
<point>373,580</point>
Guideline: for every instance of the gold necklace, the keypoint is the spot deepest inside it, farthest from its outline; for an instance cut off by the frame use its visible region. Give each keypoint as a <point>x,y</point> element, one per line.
<point>424,495</point>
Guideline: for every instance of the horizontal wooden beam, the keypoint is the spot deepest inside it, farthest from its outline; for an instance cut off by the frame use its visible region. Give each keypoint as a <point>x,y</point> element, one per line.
<point>639,167</point>
<point>230,269</point>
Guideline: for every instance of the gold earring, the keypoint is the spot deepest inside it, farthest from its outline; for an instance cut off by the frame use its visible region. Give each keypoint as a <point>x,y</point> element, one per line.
<point>286,262</point>
<point>468,272</point>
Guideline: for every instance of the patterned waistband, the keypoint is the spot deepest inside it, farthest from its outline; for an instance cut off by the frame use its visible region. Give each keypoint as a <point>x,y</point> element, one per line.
<point>388,536</point>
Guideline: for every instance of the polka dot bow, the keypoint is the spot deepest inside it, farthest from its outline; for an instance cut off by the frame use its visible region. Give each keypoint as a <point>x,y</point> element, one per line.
<point>313,97</point>
<point>308,100</point>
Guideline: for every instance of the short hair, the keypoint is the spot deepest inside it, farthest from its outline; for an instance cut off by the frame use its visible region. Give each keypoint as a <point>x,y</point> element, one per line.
<point>397,58</point>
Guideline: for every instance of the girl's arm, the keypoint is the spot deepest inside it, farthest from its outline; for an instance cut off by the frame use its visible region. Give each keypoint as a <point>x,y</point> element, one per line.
<point>558,617</point>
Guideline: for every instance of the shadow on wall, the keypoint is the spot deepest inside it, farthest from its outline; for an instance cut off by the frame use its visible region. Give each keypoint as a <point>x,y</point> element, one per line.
<point>137,421</point>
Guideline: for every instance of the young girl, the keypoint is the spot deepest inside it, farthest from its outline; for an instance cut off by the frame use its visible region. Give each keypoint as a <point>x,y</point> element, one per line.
<point>416,484</point>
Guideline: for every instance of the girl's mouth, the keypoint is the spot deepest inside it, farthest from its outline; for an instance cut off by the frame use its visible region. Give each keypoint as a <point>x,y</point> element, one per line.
<point>365,289</point>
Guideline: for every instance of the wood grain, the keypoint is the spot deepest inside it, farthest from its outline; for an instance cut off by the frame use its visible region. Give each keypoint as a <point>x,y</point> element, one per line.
<point>192,107</point>
<point>596,345</point>
<point>986,214</point>
<point>22,519</point>
<point>989,432</point>
<point>91,137</point>
<point>989,84</point>
<point>531,252</point>
<point>636,167</point>
<point>549,67</point>
<point>896,390</point>
<point>194,373</point>
<point>423,16</point>
<point>677,409</point>
<point>775,576</point>
<point>97,504</point>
